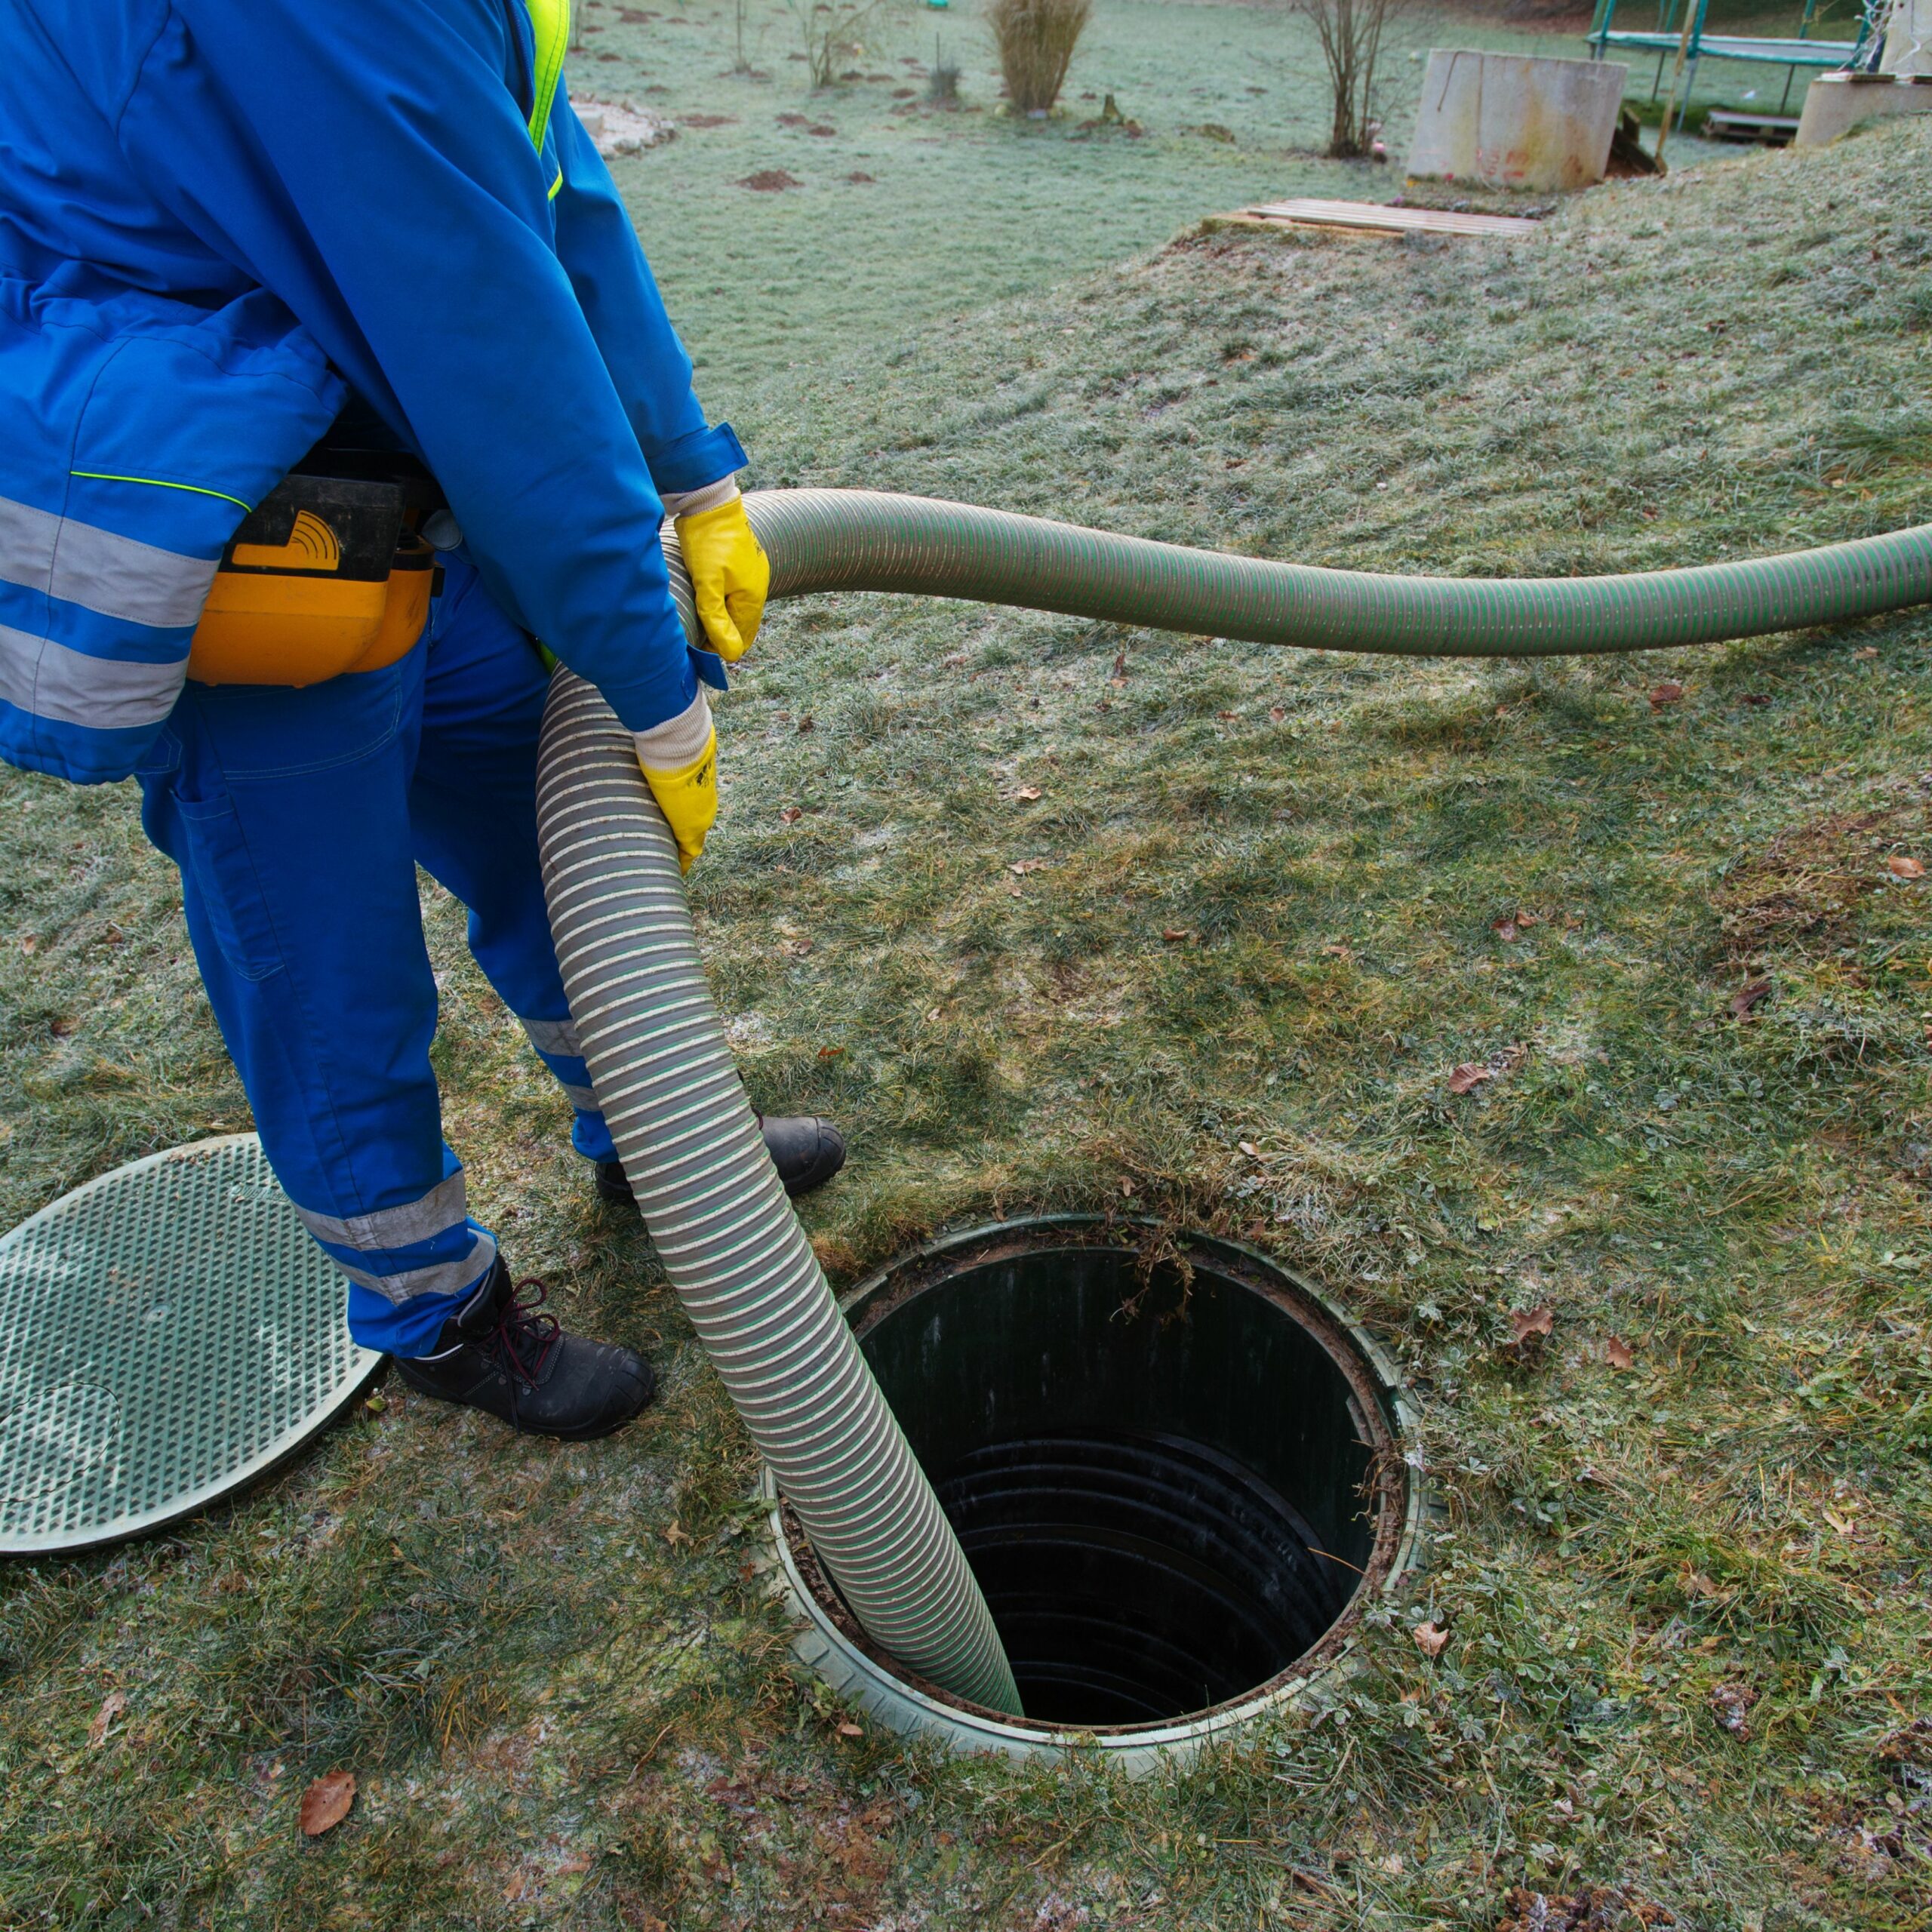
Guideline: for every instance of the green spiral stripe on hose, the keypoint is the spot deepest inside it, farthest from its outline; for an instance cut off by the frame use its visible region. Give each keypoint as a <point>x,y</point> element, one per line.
<point>864,539</point>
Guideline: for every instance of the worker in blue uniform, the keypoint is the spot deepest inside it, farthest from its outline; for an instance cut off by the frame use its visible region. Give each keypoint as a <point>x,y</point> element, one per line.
<point>233,232</point>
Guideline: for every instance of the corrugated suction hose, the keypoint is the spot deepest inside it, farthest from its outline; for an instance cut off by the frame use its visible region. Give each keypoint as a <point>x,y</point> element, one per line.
<point>725,1232</point>
<point>864,539</point>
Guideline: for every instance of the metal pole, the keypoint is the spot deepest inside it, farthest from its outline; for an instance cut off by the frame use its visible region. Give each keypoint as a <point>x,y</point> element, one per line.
<point>1692,15</point>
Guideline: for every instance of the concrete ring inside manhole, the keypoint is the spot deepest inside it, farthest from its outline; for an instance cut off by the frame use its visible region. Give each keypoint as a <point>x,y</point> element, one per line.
<point>1177,1470</point>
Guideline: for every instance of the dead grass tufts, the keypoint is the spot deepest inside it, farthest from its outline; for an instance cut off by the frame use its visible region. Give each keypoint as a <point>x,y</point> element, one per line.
<point>1802,892</point>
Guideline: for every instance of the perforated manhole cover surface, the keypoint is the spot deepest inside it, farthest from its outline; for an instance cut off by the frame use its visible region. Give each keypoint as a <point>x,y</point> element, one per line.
<point>167,1332</point>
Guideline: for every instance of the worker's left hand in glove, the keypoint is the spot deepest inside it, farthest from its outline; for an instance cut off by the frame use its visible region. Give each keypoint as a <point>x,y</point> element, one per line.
<point>730,572</point>
<point>679,760</point>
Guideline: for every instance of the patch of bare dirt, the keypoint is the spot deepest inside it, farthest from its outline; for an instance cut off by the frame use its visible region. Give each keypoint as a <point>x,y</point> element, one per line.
<point>1804,889</point>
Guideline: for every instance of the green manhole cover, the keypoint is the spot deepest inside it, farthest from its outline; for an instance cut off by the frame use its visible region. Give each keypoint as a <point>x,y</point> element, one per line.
<point>167,1333</point>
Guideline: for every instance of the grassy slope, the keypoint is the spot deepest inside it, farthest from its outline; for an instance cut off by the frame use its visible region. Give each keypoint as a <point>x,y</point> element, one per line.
<point>561,1716</point>
<point>963,207</point>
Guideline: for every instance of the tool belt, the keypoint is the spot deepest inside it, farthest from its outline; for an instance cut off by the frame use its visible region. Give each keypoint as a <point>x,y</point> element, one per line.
<point>327,574</point>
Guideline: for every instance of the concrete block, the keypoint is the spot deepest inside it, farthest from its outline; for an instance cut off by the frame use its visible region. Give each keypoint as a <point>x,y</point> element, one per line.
<point>1835,103</point>
<point>1511,122</point>
<point>1908,38</point>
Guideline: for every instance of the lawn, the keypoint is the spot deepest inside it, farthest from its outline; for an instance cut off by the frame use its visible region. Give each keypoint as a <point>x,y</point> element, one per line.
<point>962,207</point>
<point>1689,1662</point>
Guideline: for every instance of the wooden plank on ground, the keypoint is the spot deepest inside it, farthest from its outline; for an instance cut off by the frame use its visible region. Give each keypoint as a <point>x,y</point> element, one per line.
<point>1378,217</point>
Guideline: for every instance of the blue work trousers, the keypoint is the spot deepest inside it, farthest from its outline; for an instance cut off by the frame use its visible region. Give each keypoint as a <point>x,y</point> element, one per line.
<point>298,819</point>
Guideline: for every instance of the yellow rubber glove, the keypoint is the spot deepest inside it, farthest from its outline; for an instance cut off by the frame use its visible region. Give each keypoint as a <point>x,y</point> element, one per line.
<point>730,574</point>
<point>679,761</point>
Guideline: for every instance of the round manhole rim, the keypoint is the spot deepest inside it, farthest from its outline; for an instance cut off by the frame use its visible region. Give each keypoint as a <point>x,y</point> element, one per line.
<point>828,1642</point>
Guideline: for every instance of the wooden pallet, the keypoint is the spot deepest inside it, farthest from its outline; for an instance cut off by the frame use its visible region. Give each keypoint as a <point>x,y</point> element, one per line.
<point>1378,218</point>
<point>1725,124</point>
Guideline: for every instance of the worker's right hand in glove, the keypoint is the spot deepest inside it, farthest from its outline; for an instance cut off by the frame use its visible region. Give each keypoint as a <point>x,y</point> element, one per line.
<point>679,761</point>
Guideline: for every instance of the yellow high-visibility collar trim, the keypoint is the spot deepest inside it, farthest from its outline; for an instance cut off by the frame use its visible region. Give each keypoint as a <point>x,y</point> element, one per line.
<point>550,26</point>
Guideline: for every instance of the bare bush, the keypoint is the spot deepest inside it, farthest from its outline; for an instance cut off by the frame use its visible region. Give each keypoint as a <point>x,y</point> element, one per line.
<point>1351,32</point>
<point>1036,40</point>
<point>833,35</point>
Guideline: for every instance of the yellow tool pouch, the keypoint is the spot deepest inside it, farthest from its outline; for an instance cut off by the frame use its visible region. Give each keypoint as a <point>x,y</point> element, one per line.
<point>324,575</point>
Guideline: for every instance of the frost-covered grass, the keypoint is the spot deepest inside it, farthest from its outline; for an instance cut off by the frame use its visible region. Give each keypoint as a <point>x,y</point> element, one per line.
<point>965,206</point>
<point>562,1714</point>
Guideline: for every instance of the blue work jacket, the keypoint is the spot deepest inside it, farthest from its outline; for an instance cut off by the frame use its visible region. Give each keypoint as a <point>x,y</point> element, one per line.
<point>222,221</point>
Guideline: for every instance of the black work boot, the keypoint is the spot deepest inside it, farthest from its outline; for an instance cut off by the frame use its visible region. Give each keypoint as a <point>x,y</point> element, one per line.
<point>806,1151</point>
<point>499,1352</point>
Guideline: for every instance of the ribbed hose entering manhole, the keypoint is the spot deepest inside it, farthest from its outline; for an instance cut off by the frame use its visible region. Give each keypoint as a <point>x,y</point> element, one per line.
<point>1175,1468</point>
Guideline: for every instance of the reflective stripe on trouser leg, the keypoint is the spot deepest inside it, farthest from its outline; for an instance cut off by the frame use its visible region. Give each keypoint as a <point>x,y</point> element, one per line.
<point>288,812</point>
<point>558,1046</point>
<point>428,1246</point>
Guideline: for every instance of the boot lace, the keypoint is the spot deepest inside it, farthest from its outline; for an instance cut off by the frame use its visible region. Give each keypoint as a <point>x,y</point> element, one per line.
<point>525,1336</point>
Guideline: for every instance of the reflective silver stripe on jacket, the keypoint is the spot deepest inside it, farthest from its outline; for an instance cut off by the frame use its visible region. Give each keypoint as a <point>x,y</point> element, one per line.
<point>447,1278</point>
<point>429,1215</point>
<point>109,694</point>
<point>114,577</point>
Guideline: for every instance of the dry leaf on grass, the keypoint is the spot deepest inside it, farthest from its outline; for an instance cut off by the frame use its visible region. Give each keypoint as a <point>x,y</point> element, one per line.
<point>1524,1322</point>
<point>1023,866</point>
<point>1731,1705</point>
<point>1617,1351</point>
<point>1593,1909</point>
<point>1747,998</point>
<point>830,1052</point>
<point>325,1804</point>
<point>111,1705</point>
<point>790,815</point>
<point>850,1729</point>
<point>1176,935</point>
<point>1430,1637</point>
<point>1900,866</point>
<point>1668,692</point>
<point>1468,1076</point>
<point>1119,677</point>
<point>676,1534</point>
<point>1024,795</point>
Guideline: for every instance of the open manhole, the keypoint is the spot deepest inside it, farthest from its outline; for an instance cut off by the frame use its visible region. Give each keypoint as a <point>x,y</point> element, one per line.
<point>1176,1469</point>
